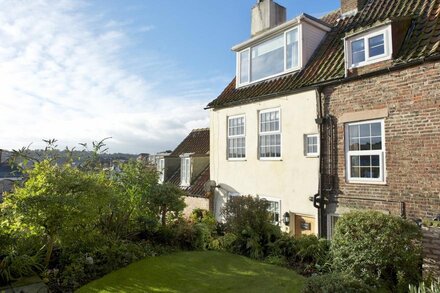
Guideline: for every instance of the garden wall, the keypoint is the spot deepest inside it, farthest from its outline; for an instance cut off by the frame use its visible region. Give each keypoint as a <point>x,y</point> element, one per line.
<point>195,203</point>
<point>431,251</point>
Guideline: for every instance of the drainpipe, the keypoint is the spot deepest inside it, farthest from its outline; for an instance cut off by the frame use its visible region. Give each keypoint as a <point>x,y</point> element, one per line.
<point>318,199</point>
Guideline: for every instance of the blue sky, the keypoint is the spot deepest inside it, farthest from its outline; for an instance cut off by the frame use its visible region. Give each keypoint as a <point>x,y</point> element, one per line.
<point>137,71</point>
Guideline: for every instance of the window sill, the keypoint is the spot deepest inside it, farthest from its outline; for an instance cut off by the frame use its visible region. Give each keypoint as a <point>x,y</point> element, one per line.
<point>312,156</point>
<point>270,159</point>
<point>366,182</point>
<point>237,160</point>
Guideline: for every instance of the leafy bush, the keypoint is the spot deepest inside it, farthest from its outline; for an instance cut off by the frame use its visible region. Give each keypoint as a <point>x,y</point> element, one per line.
<point>248,218</point>
<point>334,283</point>
<point>307,254</point>
<point>378,248</point>
<point>224,242</point>
<point>78,269</point>
<point>192,235</point>
<point>205,217</point>
<point>13,267</point>
<point>426,287</point>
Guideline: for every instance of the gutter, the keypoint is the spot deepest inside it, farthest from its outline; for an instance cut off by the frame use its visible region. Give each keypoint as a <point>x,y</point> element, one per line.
<point>335,81</point>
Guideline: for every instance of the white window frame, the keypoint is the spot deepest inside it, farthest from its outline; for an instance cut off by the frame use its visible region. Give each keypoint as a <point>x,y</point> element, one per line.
<point>286,70</point>
<point>161,169</point>
<point>185,171</point>
<point>260,133</point>
<point>274,199</point>
<point>306,145</point>
<point>381,153</point>
<point>236,136</point>
<point>388,47</point>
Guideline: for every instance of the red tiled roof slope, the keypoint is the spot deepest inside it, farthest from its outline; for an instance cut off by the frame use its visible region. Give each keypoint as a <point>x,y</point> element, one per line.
<point>327,63</point>
<point>196,142</point>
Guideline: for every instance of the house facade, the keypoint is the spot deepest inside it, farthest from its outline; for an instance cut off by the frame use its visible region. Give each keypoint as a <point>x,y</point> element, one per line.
<point>366,94</point>
<point>270,147</point>
<point>188,167</point>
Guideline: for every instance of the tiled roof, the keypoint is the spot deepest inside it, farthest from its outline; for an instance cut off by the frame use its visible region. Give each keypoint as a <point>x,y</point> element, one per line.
<point>327,63</point>
<point>197,142</point>
<point>197,187</point>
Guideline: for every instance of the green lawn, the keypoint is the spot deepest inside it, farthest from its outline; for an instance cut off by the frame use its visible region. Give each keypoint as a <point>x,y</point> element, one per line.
<point>205,271</point>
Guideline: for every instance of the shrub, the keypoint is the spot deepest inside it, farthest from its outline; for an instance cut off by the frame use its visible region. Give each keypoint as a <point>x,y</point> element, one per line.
<point>192,235</point>
<point>426,287</point>
<point>248,218</point>
<point>378,248</point>
<point>205,217</point>
<point>13,266</point>
<point>334,283</point>
<point>307,254</point>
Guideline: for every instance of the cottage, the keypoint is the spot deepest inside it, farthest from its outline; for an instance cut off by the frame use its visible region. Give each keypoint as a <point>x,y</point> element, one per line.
<point>343,110</point>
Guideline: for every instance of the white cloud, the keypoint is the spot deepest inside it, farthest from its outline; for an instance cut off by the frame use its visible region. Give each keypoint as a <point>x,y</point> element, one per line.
<point>68,76</point>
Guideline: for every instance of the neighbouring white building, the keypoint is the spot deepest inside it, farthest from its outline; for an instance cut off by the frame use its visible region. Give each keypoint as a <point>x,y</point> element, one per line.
<point>265,141</point>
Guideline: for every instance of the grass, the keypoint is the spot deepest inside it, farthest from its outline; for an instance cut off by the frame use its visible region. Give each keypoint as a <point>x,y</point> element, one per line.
<point>200,271</point>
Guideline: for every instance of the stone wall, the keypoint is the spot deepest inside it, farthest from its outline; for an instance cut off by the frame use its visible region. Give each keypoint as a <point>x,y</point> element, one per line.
<point>193,203</point>
<point>431,251</point>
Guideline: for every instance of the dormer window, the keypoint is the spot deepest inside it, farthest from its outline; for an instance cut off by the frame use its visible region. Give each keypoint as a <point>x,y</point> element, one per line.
<point>368,48</point>
<point>269,58</point>
<point>185,172</point>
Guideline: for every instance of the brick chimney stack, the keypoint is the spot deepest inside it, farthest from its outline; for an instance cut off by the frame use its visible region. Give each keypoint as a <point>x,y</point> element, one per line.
<point>352,6</point>
<point>266,14</point>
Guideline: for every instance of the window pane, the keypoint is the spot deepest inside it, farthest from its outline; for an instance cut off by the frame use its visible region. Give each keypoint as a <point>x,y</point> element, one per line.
<point>366,172</point>
<point>376,172</point>
<point>292,51</point>
<point>376,143</point>
<point>355,161</point>
<point>355,172</point>
<point>365,161</point>
<point>375,161</point>
<point>376,45</point>
<point>376,129</point>
<point>358,51</point>
<point>267,58</point>
<point>365,130</point>
<point>353,131</point>
<point>244,66</point>
<point>354,144</point>
<point>365,144</point>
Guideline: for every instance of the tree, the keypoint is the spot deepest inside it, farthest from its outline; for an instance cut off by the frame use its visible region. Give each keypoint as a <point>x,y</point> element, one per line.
<point>165,200</point>
<point>134,182</point>
<point>60,201</point>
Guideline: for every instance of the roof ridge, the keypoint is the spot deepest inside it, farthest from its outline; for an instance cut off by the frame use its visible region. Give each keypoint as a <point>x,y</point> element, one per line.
<point>200,129</point>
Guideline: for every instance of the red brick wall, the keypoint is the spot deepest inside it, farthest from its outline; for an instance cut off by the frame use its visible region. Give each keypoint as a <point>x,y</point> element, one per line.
<point>412,139</point>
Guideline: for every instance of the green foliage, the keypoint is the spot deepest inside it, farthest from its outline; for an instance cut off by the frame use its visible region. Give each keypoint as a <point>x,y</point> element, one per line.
<point>426,287</point>
<point>224,242</point>
<point>431,223</point>
<point>307,254</point>
<point>55,200</point>
<point>248,218</point>
<point>378,248</point>
<point>81,268</point>
<point>129,214</point>
<point>165,202</point>
<point>14,266</point>
<point>205,217</point>
<point>335,283</point>
<point>191,235</point>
